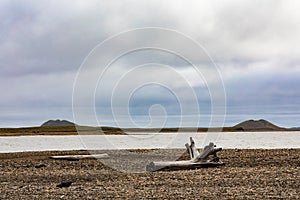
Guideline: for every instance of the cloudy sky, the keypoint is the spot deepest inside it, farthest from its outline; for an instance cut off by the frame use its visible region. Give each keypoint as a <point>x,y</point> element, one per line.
<point>254,44</point>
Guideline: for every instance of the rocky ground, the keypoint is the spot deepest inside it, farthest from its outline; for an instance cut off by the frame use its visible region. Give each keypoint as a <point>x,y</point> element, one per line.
<point>248,174</point>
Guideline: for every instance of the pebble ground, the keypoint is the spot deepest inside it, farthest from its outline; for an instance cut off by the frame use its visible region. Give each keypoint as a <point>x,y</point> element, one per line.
<point>248,174</point>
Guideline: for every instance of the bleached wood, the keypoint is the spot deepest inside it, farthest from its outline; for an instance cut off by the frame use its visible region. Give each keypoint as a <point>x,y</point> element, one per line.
<point>206,158</point>
<point>207,151</point>
<point>183,164</point>
<point>79,157</point>
<point>192,150</point>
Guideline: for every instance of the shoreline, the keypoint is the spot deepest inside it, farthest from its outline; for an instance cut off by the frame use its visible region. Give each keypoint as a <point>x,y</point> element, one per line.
<point>92,151</point>
<point>131,133</point>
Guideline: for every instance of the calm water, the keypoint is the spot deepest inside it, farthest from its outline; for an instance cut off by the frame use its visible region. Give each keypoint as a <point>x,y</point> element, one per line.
<point>243,140</point>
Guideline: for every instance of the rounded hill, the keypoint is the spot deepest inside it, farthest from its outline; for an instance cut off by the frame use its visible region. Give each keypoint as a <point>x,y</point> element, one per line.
<point>259,125</point>
<point>58,123</point>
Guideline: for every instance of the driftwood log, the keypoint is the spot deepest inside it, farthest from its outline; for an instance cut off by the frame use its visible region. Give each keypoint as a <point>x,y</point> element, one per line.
<point>207,158</point>
<point>80,157</point>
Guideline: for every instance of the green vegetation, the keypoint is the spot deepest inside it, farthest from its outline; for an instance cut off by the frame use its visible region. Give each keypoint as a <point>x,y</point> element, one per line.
<point>60,130</point>
<point>173,130</point>
<point>72,130</point>
<point>45,129</point>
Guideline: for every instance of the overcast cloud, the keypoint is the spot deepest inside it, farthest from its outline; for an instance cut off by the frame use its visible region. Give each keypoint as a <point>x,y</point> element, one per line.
<point>254,43</point>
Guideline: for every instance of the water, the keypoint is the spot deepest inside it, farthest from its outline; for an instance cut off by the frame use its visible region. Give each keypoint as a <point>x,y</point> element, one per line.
<point>241,140</point>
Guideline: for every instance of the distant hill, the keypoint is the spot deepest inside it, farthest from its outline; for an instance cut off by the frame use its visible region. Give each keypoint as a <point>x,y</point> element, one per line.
<point>295,129</point>
<point>258,125</point>
<point>58,123</point>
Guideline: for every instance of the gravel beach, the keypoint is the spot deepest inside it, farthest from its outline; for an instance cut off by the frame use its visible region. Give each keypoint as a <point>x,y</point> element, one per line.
<point>248,174</point>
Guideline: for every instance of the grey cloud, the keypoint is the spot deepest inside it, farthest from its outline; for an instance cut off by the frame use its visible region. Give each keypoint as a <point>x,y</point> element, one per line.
<point>46,38</point>
<point>43,43</point>
<point>265,87</point>
<point>41,36</point>
<point>40,91</point>
<point>250,30</point>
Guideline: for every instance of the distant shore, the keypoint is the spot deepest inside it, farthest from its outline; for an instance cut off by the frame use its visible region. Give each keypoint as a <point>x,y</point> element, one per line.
<point>63,127</point>
<point>71,130</point>
<point>125,132</point>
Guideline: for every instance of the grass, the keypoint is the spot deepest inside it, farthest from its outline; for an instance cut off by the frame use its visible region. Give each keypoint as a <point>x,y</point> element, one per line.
<point>74,130</point>
<point>164,130</point>
<point>60,130</point>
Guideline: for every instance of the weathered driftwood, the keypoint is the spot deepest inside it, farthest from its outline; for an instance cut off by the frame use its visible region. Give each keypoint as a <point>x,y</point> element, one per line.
<point>80,157</point>
<point>207,158</point>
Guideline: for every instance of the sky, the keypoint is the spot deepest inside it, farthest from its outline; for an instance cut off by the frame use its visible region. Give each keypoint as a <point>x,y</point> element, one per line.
<point>250,48</point>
